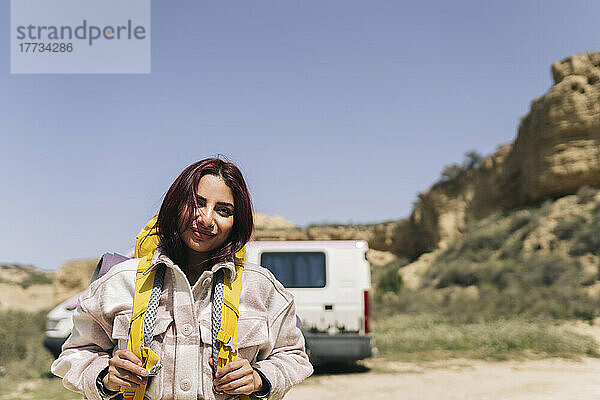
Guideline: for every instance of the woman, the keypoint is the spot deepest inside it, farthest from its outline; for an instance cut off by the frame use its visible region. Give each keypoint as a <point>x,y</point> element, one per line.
<point>205,218</point>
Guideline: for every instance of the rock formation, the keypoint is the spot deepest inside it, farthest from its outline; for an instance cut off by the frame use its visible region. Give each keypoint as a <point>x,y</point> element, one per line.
<point>557,151</point>
<point>263,222</point>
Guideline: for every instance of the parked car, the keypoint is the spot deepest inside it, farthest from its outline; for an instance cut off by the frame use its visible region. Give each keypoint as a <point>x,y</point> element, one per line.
<point>330,281</point>
<point>59,324</point>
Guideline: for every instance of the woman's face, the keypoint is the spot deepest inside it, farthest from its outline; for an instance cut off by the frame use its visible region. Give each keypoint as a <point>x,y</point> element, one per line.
<point>212,220</point>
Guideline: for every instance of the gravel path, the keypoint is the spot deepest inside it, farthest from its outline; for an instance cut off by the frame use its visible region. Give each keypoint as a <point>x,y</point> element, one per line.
<point>460,379</point>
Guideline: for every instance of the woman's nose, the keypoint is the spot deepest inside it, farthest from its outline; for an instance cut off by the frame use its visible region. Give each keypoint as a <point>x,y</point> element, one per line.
<point>206,216</point>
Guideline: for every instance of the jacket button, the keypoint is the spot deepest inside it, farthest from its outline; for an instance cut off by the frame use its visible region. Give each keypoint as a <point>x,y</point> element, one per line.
<point>187,329</point>
<point>185,385</point>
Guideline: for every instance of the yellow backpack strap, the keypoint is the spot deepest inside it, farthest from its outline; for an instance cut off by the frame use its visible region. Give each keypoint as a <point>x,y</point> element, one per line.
<point>146,243</point>
<point>150,360</point>
<point>228,349</point>
<point>147,240</point>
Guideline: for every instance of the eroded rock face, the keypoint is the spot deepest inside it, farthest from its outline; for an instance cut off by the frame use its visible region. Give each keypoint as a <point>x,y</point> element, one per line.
<point>557,151</point>
<point>390,236</point>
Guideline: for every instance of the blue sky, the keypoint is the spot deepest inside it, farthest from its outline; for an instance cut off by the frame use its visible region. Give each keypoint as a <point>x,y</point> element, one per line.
<point>337,111</point>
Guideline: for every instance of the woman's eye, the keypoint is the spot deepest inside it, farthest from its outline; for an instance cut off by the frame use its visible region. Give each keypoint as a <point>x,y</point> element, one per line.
<point>226,212</point>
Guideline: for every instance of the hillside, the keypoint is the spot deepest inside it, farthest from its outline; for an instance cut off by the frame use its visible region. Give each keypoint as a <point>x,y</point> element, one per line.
<point>537,261</point>
<point>24,287</point>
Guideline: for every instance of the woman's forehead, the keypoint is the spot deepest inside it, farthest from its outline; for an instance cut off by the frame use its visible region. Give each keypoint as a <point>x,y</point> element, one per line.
<point>213,187</point>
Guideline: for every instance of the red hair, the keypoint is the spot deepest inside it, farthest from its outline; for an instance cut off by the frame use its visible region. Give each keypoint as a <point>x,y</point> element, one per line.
<point>180,200</point>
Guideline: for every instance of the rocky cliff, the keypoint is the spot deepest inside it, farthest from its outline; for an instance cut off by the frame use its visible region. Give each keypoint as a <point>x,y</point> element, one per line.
<point>557,151</point>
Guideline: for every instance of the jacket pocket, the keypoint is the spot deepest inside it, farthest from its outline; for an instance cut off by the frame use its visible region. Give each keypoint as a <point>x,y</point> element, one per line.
<point>120,331</point>
<point>154,390</point>
<point>253,333</point>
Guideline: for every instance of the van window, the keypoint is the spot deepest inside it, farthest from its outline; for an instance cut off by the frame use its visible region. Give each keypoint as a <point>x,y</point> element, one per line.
<point>296,270</point>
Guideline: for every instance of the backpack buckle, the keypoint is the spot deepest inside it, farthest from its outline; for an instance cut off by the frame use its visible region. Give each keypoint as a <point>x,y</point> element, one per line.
<point>231,344</point>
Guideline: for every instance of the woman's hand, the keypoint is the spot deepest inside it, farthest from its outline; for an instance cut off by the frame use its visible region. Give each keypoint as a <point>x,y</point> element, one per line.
<point>238,377</point>
<point>124,369</point>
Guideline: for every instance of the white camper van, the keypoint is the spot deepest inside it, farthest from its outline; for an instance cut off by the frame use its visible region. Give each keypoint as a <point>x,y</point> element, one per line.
<point>330,281</point>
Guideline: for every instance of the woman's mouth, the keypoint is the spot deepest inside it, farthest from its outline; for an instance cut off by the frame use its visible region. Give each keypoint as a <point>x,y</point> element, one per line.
<point>203,234</point>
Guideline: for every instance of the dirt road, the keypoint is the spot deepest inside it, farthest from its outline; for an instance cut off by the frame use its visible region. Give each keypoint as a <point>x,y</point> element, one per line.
<point>460,379</point>
<point>550,379</point>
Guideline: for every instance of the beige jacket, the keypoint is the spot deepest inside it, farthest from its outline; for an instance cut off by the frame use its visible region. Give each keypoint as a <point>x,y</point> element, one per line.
<point>267,332</point>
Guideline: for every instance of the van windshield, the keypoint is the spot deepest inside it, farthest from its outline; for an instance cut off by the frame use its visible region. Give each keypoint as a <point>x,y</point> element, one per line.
<point>296,269</point>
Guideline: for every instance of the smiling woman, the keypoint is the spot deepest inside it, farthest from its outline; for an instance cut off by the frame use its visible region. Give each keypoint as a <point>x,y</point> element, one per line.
<point>205,218</point>
<point>212,219</point>
<point>206,214</point>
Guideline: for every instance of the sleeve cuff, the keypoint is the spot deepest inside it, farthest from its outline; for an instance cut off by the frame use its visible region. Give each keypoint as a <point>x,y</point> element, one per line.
<point>104,392</point>
<point>266,390</point>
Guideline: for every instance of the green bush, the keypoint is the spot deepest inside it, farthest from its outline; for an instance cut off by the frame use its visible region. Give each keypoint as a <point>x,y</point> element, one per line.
<point>587,240</point>
<point>472,161</point>
<point>21,346</point>
<point>586,194</point>
<point>389,280</point>
<point>531,287</point>
<point>33,276</point>
<point>568,226</point>
<point>481,240</point>
<point>36,278</point>
<point>520,220</point>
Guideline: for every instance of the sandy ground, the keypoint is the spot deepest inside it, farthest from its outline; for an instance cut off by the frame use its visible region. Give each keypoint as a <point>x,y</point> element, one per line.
<point>547,379</point>
<point>460,379</point>
<point>552,378</point>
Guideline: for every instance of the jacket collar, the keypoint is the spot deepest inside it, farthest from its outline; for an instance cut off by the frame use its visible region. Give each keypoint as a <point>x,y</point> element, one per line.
<point>160,257</point>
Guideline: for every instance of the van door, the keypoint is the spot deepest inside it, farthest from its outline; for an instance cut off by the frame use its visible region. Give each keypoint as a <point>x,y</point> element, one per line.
<point>305,275</point>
